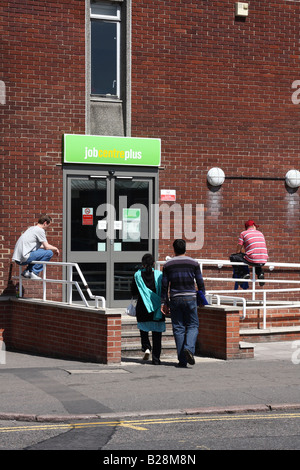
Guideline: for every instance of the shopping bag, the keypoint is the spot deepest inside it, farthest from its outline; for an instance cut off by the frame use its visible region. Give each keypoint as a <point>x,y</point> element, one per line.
<point>131,309</point>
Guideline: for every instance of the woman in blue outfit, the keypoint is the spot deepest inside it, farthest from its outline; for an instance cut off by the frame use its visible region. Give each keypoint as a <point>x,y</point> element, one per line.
<point>146,286</point>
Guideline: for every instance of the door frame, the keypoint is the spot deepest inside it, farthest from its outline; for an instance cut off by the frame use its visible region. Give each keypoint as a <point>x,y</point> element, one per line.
<point>115,172</point>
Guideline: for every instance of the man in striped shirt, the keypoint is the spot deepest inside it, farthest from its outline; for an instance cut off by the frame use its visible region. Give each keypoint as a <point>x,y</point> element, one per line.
<point>252,249</point>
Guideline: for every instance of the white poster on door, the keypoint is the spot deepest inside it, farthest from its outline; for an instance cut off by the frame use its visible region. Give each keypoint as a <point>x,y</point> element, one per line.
<point>131,225</point>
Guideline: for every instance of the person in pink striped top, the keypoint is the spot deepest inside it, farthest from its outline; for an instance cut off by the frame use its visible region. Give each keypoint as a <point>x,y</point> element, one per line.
<point>252,249</point>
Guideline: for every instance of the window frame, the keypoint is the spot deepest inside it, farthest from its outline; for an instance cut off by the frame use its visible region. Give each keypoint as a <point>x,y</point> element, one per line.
<point>112,19</point>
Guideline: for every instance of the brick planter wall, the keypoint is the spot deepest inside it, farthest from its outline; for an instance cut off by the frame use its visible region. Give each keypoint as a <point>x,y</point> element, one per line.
<point>219,333</point>
<point>59,330</point>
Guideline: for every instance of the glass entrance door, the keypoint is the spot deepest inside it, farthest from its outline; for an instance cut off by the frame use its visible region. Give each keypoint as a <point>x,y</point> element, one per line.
<point>109,227</point>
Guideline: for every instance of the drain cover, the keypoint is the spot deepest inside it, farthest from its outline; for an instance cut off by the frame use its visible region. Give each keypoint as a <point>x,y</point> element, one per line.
<point>96,371</point>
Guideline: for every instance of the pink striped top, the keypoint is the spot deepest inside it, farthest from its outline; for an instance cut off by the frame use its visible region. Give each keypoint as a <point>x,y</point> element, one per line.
<point>255,246</point>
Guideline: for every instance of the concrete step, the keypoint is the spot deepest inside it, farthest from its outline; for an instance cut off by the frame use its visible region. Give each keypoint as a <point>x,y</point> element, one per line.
<point>131,343</point>
<point>134,350</point>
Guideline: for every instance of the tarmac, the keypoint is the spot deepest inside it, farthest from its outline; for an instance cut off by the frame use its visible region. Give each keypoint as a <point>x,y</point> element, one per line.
<point>44,389</point>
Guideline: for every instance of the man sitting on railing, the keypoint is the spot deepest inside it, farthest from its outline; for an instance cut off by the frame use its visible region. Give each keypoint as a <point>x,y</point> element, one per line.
<point>33,246</point>
<point>252,250</point>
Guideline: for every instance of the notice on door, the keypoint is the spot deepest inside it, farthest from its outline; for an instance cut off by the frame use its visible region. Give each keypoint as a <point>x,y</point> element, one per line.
<point>131,225</point>
<point>87,216</point>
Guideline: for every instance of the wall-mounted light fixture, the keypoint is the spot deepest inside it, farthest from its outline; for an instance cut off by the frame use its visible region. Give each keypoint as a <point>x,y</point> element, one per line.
<point>241,9</point>
<point>292,178</point>
<point>216,177</point>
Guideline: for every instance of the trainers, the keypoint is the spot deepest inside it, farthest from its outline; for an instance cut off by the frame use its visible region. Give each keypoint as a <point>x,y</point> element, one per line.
<point>261,276</point>
<point>146,355</point>
<point>26,274</point>
<point>181,365</point>
<point>34,276</point>
<point>189,357</point>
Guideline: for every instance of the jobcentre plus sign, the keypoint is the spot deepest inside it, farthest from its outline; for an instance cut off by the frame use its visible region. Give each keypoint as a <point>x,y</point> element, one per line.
<point>111,154</point>
<point>113,150</point>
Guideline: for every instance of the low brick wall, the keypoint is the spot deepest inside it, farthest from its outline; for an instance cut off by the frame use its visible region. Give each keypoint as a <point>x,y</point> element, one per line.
<point>270,335</point>
<point>219,333</point>
<point>60,330</point>
<point>222,333</point>
<point>275,318</point>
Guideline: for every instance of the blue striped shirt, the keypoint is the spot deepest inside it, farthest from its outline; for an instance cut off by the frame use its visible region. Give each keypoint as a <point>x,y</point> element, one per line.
<point>179,277</point>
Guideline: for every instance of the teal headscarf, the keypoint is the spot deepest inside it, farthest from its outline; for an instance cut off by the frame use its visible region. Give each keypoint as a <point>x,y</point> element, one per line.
<point>152,300</point>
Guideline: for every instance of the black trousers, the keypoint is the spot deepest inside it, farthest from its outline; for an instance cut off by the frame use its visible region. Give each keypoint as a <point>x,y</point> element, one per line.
<point>156,340</point>
<point>240,270</point>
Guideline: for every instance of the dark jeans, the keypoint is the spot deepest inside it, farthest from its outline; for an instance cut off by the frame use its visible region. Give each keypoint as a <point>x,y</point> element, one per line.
<point>185,324</point>
<point>156,340</point>
<point>240,271</point>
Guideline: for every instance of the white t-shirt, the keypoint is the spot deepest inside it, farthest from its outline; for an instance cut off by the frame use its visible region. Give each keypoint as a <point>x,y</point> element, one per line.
<point>30,240</point>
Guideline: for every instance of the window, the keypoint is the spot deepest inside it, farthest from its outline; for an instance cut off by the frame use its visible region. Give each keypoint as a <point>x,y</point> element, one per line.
<point>105,49</point>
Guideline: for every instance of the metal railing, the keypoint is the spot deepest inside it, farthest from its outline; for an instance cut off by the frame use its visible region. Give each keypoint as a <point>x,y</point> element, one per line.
<point>69,282</point>
<point>214,296</point>
<point>218,296</point>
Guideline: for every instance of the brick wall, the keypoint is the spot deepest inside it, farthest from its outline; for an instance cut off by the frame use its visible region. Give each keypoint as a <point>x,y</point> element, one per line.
<point>61,331</point>
<point>43,67</point>
<point>5,319</point>
<point>284,317</point>
<point>217,91</point>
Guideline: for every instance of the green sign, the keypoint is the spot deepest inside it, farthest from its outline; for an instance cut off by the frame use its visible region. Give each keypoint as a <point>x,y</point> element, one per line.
<point>97,149</point>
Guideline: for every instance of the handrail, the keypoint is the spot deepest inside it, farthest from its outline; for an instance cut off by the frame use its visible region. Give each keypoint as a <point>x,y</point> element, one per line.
<point>215,293</point>
<point>210,295</point>
<point>69,282</point>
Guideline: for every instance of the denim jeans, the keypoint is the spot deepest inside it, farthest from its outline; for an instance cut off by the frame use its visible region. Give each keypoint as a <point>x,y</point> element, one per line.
<point>241,270</point>
<point>37,255</point>
<point>185,324</point>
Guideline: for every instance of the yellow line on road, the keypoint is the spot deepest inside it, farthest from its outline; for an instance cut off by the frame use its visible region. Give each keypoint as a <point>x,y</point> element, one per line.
<point>127,425</point>
<point>139,424</point>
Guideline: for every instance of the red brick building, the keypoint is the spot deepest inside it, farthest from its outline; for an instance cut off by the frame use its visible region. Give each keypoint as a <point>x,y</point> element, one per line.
<point>218,89</point>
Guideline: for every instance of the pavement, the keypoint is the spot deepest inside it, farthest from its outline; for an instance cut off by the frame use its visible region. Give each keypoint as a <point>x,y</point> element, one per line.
<point>35,388</point>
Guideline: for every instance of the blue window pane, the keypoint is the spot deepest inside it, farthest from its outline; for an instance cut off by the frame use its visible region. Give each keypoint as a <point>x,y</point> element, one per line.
<point>103,58</point>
